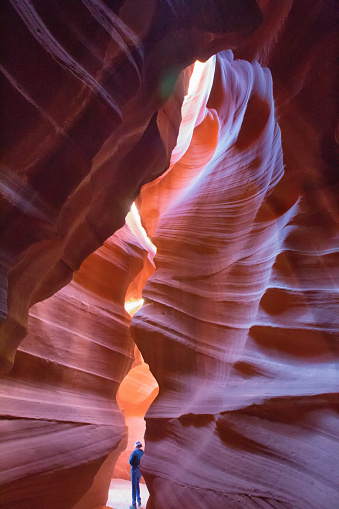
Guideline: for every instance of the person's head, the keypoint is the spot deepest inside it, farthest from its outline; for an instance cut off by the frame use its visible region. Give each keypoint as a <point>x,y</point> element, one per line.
<point>138,445</point>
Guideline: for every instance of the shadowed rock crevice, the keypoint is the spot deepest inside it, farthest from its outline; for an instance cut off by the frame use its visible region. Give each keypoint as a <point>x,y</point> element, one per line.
<point>233,177</point>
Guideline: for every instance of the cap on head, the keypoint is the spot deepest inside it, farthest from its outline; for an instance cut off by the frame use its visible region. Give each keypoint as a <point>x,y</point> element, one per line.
<point>138,444</point>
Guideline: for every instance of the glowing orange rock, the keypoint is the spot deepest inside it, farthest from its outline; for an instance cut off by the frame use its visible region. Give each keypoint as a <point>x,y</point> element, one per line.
<point>240,318</point>
<point>65,427</point>
<point>85,86</point>
<point>231,326</point>
<point>136,393</point>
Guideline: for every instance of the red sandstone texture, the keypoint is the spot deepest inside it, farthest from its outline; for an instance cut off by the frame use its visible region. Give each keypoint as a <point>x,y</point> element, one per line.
<point>63,431</point>
<point>81,87</point>
<point>240,324</point>
<point>245,277</point>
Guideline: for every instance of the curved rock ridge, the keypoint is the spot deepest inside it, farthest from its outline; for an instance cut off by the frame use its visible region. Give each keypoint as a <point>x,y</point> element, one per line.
<point>82,84</point>
<point>161,191</point>
<point>62,431</point>
<point>208,238</point>
<point>139,388</point>
<point>239,325</point>
<point>133,300</point>
<point>136,393</point>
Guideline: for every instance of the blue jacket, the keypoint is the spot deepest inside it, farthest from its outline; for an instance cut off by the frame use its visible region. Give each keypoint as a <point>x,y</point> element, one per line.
<point>135,457</point>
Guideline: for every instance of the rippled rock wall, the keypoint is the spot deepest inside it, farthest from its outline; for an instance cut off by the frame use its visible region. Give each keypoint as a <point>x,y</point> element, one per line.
<point>62,430</point>
<point>237,329</point>
<point>240,325</point>
<point>81,89</point>
<point>242,305</point>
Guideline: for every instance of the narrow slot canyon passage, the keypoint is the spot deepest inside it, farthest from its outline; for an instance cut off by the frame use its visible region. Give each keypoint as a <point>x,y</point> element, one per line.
<point>139,388</point>
<point>169,253</point>
<point>136,393</point>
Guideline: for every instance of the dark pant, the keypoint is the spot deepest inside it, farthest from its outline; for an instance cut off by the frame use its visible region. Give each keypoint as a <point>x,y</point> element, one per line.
<point>135,477</point>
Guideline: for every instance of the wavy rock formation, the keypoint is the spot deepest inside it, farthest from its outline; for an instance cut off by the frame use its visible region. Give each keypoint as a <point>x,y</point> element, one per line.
<point>136,393</point>
<point>84,85</point>
<point>64,431</point>
<point>240,324</point>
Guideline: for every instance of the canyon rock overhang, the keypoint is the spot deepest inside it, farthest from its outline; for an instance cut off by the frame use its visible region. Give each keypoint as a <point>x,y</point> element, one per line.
<point>240,323</point>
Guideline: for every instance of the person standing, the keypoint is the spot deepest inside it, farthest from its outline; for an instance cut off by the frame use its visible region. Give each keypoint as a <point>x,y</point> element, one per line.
<point>134,461</point>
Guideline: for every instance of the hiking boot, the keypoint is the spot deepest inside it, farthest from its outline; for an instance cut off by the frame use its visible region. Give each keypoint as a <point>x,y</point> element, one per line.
<point>133,506</point>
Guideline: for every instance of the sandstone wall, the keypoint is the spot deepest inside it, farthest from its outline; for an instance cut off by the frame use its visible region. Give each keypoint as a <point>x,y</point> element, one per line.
<point>62,431</point>
<point>243,304</point>
<point>240,324</point>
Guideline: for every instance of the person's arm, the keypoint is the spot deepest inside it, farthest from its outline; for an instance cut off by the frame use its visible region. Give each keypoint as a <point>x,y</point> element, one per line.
<point>131,458</point>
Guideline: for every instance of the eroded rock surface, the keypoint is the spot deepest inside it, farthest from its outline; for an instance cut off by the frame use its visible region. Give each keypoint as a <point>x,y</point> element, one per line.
<point>242,305</point>
<point>82,85</point>
<point>63,430</point>
<point>81,88</point>
<point>240,323</point>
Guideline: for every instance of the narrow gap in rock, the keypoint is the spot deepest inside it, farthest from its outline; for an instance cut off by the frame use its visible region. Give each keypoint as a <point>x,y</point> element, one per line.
<point>137,390</point>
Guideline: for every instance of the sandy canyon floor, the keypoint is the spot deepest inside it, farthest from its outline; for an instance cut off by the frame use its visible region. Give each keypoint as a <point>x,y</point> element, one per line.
<point>119,496</point>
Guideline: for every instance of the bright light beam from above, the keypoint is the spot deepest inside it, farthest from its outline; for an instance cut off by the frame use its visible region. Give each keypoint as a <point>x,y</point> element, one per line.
<point>197,75</point>
<point>193,109</point>
<point>130,306</point>
<point>134,223</point>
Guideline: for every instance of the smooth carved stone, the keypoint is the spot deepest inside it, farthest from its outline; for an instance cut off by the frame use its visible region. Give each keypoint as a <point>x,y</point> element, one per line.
<point>63,431</point>
<point>239,325</point>
<point>136,393</point>
<point>81,89</point>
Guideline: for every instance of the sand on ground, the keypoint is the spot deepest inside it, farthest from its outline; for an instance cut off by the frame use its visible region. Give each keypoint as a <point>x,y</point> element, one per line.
<point>120,494</point>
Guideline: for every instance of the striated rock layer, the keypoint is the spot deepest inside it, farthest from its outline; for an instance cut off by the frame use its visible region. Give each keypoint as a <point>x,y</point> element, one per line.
<point>240,323</point>
<point>62,430</point>
<point>82,83</point>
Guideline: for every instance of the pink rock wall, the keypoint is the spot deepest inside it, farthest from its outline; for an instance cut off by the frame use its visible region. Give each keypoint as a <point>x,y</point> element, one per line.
<point>62,430</point>
<point>81,89</point>
<point>243,303</point>
<point>240,323</point>
<point>82,83</point>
